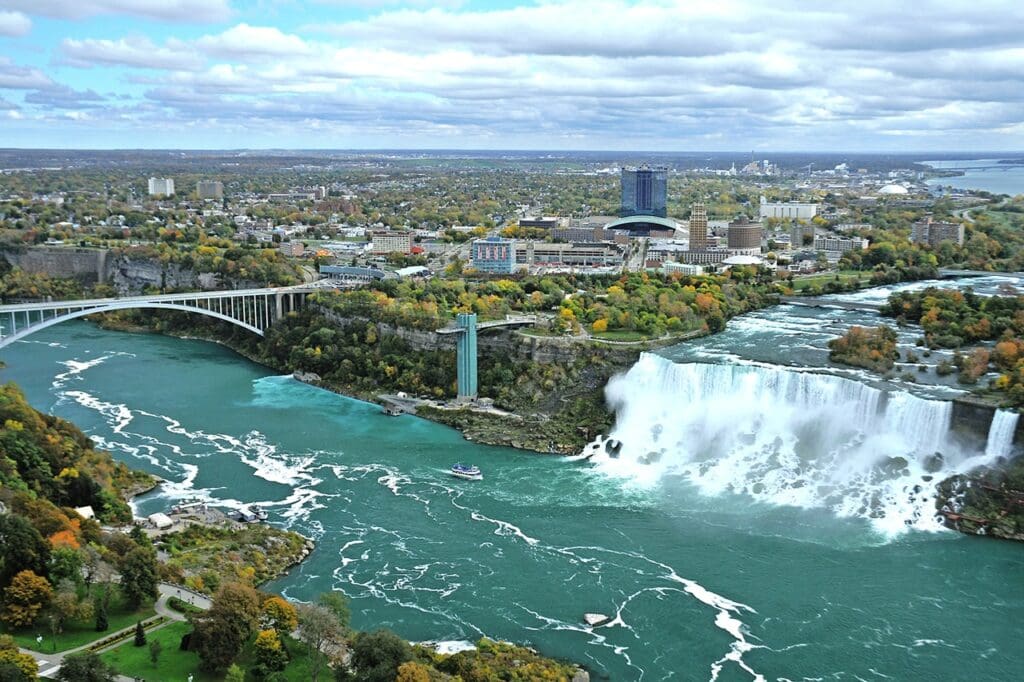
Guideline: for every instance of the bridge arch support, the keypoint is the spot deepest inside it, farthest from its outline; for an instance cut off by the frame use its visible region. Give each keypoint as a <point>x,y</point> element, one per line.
<point>34,327</point>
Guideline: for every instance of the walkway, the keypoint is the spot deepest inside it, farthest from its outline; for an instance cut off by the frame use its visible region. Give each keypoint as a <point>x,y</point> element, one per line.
<point>819,302</point>
<point>49,664</point>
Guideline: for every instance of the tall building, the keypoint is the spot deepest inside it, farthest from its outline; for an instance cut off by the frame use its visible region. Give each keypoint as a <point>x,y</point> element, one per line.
<point>928,231</point>
<point>161,186</point>
<point>210,189</point>
<point>698,227</point>
<point>744,236</point>
<point>644,191</point>
<point>494,254</point>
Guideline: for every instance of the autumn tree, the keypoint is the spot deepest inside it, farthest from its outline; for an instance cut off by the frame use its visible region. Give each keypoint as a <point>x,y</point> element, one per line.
<point>412,671</point>
<point>10,655</point>
<point>25,598</point>
<point>278,615</point>
<point>269,653</point>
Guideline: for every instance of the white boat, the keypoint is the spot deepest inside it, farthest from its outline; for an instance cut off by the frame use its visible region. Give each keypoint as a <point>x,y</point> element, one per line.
<point>466,471</point>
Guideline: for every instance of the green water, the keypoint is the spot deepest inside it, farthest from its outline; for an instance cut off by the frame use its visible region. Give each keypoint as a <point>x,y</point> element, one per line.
<point>703,586</point>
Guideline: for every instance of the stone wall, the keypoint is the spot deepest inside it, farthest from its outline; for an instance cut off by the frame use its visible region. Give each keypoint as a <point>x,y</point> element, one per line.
<point>87,265</point>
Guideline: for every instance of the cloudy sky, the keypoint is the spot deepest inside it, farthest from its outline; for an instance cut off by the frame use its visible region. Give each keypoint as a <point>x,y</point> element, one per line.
<point>867,75</point>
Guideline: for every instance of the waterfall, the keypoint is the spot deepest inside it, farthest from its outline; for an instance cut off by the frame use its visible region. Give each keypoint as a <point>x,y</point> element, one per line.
<point>1000,433</point>
<point>786,436</point>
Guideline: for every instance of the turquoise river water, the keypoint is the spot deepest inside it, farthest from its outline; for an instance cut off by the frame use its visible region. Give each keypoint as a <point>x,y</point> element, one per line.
<point>755,526</point>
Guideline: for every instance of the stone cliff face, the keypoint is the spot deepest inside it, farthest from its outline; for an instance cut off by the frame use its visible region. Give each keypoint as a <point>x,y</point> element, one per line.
<point>129,276</point>
<point>87,265</point>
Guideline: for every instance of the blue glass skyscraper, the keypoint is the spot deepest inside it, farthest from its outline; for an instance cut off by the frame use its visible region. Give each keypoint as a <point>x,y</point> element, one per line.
<point>644,191</point>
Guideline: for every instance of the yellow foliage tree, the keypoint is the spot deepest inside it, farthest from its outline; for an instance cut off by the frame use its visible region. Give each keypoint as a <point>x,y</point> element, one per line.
<point>279,615</point>
<point>9,655</point>
<point>600,326</point>
<point>24,598</point>
<point>412,672</point>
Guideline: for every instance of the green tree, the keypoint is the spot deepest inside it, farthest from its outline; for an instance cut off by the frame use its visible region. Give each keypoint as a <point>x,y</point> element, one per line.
<point>140,634</point>
<point>155,649</point>
<point>234,674</point>
<point>377,655</point>
<point>221,632</point>
<point>22,548</point>
<point>139,576</point>
<point>85,667</point>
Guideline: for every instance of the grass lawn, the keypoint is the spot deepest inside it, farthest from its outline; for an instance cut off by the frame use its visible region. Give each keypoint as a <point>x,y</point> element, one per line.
<point>76,633</point>
<point>621,335</point>
<point>845,276</point>
<point>174,664</point>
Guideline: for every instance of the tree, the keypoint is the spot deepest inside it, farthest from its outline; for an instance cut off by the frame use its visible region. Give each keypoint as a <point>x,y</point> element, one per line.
<point>24,598</point>
<point>22,548</point>
<point>337,603</point>
<point>65,564</point>
<point>85,667</point>
<point>139,576</point>
<point>234,674</point>
<point>279,615</point>
<point>221,631</point>
<point>269,653</point>
<point>155,649</point>
<point>322,633</point>
<point>23,664</point>
<point>377,655</point>
<point>140,634</point>
<point>67,606</point>
<point>413,672</point>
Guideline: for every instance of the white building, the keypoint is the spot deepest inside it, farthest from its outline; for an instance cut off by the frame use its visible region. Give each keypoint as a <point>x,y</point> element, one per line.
<point>161,186</point>
<point>830,242</point>
<point>391,242</point>
<point>788,210</point>
<point>682,268</point>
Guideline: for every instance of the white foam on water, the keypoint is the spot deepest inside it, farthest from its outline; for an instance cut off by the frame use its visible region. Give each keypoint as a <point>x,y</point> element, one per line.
<point>788,436</point>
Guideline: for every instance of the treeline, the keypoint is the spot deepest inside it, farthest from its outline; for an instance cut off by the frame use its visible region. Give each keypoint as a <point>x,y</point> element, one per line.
<point>957,319</point>
<point>652,305</point>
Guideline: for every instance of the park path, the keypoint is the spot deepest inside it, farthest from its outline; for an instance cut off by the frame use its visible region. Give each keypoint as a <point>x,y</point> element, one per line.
<point>49,664</point>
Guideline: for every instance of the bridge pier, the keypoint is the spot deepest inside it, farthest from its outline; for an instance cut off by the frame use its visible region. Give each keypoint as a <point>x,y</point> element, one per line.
<point>465,356</point>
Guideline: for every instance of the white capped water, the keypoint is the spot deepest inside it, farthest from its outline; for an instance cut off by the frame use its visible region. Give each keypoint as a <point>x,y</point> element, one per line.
<point>786,436</point>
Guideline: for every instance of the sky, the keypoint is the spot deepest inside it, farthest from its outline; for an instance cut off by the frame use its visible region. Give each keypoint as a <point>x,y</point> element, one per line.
<point>660,75</point>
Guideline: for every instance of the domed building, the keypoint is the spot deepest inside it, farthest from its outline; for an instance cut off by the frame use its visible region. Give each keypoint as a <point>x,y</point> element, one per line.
<point>893,189</point>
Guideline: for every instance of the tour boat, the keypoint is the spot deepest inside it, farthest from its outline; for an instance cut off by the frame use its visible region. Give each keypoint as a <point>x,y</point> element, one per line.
<point>260,513</point>
<point>466,471</point>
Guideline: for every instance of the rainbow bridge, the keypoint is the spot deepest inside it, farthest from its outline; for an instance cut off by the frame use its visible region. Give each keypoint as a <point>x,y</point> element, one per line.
<point>252,309</point>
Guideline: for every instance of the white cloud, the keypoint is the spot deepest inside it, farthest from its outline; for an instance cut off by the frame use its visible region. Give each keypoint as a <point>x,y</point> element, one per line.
<point>136,52</point>
<point>244,40</point>
<point>186,11</point>
<point>736,71</point>
<point>14,24</point>
<point>17,77</point>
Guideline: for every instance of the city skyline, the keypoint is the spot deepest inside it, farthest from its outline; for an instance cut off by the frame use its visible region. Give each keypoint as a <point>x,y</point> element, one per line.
<point>608,75</point>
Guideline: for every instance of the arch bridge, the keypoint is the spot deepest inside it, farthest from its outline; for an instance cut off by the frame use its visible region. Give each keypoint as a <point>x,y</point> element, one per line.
<point>252,309</point>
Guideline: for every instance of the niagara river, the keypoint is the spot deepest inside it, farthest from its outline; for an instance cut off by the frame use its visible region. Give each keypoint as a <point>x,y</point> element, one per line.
<point>768,518</point>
